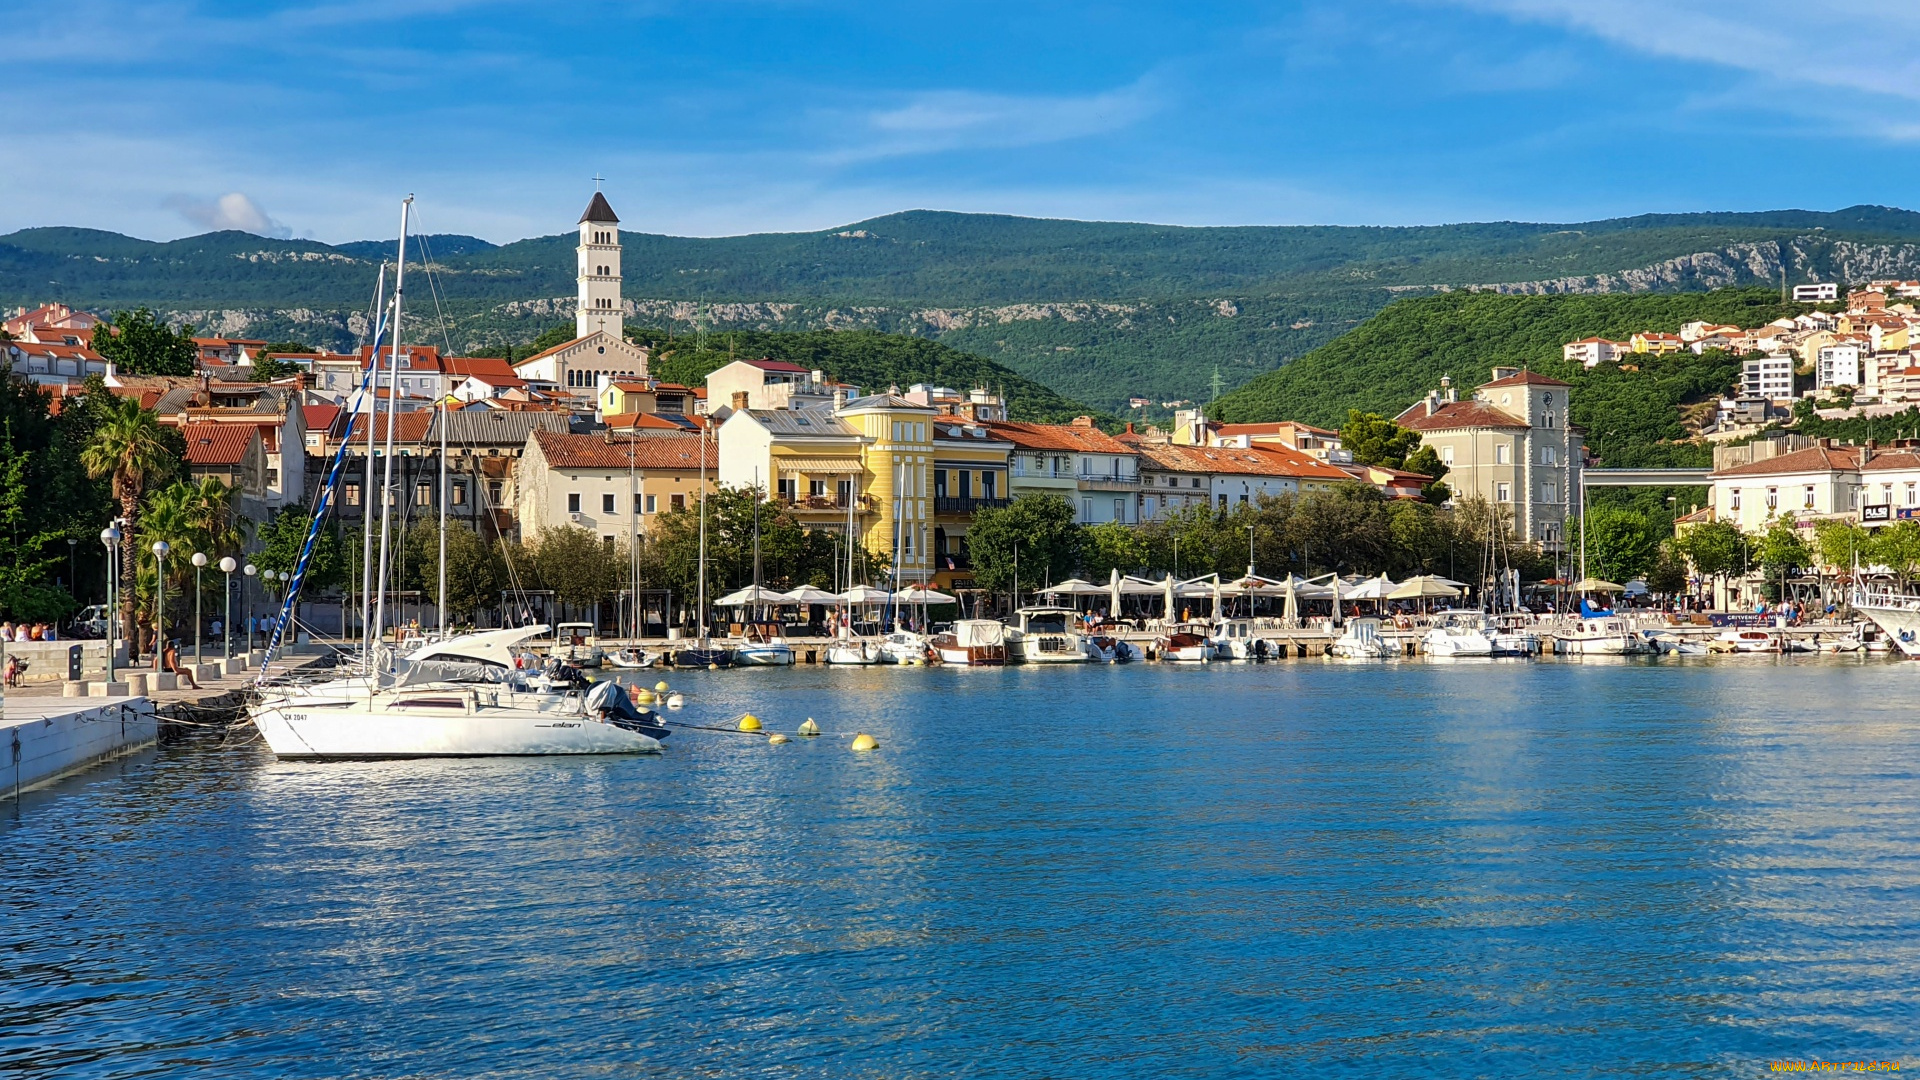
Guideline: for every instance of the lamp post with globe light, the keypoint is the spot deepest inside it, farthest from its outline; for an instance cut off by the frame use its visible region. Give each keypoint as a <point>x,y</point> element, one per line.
<point>227,567</point>
<point>249,570</point>
<point>199,564</point>
<point>160,549</point>
<point>110,536</point>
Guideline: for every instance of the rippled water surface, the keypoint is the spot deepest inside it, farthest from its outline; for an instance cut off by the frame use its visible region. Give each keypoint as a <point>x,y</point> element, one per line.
<point>1398,870</point>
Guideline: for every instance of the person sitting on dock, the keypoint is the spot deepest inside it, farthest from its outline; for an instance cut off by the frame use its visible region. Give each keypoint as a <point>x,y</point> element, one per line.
<point>172,663</point>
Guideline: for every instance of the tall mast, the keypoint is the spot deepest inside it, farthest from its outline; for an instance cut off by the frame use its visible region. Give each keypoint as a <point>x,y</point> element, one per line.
<point>393,380</point>
<point>366,489</point>
<point>701,593</point>
<point>443,513</point>
<point>633,544</point>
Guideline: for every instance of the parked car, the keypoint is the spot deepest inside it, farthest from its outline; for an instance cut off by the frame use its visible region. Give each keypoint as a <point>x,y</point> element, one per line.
<point>92,621</point>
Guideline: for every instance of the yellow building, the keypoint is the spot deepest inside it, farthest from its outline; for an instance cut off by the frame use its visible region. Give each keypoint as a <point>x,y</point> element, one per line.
<point>622,397</point>
<point>864,463</point>
<point>969,474</point>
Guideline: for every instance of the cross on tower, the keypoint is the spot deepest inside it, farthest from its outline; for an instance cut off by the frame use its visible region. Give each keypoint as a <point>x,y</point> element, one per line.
<point>597,179</point>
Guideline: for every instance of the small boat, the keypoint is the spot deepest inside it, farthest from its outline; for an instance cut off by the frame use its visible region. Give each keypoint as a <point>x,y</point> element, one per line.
<point>1107,650</point>
<point>1604,635</point>
<point>972,643</point>
<point>1046,635</point>
<point>903,647</point>
<point>762,645</point>
<point>631,658</point>
<point>1187,643</point>
<point>702,656</point>
<point>852,651</point>
<point>1512,635</point>
<point>1663,643</point>
<point>575,643</point>
<point>1236,639</point>
<point>1754,640</point>
<point>1458,634</point>
<point>1362,641</point>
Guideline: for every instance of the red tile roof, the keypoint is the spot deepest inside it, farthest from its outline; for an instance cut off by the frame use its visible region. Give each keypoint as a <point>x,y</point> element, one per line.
<point>1254,461</point>
<point>1812,459</point>
<point>780,366</point>
<point>319,417</point>
<point>660,452</point>
<point>655,422</point>
<point>1527,378</point>
<point>1459,414</point>
<point>218,444</point>
<point>1026,436</point>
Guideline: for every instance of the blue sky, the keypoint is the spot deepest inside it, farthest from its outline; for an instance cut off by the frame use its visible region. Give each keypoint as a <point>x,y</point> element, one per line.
<point>166,118</point>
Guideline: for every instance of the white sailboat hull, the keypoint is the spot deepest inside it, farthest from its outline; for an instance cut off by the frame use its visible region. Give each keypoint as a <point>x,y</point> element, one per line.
<point>1464,644</point>
<point>298,730</point>
<point>1898,619</point>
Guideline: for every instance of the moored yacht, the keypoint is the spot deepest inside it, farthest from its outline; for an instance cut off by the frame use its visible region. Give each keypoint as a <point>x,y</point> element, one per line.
<point>1046,635</point>
<point>1187,643</point>
<point>1458,633</point>
<point>1600,635</point>
<point>1238,639</point>
<point>1362,641</point>
<point>972,643</point>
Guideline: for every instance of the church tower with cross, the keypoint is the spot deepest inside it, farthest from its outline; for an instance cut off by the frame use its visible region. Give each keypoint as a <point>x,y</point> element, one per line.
<point>599,276</point>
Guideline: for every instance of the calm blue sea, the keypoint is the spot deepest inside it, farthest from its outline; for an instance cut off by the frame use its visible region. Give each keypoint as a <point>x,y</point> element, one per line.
<point>1304,868</point>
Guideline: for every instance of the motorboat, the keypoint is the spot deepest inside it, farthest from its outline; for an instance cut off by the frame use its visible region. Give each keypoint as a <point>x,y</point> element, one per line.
<point>1046,635</point>
<point>972,643</point>
<point>702,655</point>
<point>1600,635</point>
<point>1458,634</point>
<point>853,651</point>
<point>631,658</point>
<point>1105,649</point>
<point>1238,639</point>
<point>903,647</point>
<point>576,644</point>
<point>1757,640</point>
<point>1665,643</point>
<point>1895,612</point>
<point>762,645</point>
<point>1187,643</point>
<point>1361,641</point>
<point>1512,635</point>
<point>456,720</point>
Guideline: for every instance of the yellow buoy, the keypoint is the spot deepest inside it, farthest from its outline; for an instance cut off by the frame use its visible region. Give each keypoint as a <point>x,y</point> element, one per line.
<point>642,696</point>
<point>713,667</point>
<point>776,739</point>
<point>864,741</point>
<point>809,728</point>
<point>749,722</point>
<point>661,686</point>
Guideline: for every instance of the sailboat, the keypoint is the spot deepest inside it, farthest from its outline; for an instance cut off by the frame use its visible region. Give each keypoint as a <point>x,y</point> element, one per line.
<point>705,653</point>
<point>442,702</point>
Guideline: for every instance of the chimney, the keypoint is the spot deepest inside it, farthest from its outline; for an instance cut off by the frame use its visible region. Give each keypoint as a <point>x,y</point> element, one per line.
<point>1083,421</point>
<point>1129,427</point>
<point>1446,389</point>
<point>1432,402</point>
<point>739,401</point>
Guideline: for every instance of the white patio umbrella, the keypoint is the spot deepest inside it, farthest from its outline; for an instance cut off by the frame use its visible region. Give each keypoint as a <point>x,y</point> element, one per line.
<point>1423,587</point>
<point>755,594</point>
<point>807,594</point>
<point>924,594</point>
<point>1113,588</point>
<point>1291,613</point>
<point>864,594</point>
<point>1075,587</point>
<point>1372,589</point>
<point>1172,610</point>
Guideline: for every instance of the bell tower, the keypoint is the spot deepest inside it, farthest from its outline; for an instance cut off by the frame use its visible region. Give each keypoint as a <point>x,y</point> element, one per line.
<point>599,276</point>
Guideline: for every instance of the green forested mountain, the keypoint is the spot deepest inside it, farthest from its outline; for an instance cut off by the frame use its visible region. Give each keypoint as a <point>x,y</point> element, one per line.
<point>1631,417</point>
<point>1097,310</point>
<point>873,362</point>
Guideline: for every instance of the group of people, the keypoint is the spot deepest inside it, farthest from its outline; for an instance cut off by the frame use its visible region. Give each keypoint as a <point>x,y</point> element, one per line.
<point>26,631</point>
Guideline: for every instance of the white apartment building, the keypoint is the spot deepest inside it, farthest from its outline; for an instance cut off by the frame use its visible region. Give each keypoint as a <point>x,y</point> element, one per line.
<point>1869,484</point>
<point>1816,293</point>
<point>1837,365</point>
<point>1769,377</point>
<point>1593,351</point>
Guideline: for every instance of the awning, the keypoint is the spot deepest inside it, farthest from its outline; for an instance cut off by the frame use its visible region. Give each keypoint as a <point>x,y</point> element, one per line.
<point>820,465</point>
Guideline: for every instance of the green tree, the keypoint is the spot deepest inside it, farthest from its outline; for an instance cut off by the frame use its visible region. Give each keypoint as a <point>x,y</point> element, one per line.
<point>129,447</point>
<point>475,571</point>
<point>1375,440</point>
<point>268,367</point>
<point>574,563</point>
<point>1620,543</point>
<point>286,347</point>
<point>1782,552</point>
<point>190,517</point>
<point>1842,543</point>
<point>1040,526</point>
<point>25,565</point>
<point>1112,546</point>
<point>1345,529</point>
<point>282,538</point>
<point>1668,574</point>
<point>139,344</point>
<point>1897,547</point>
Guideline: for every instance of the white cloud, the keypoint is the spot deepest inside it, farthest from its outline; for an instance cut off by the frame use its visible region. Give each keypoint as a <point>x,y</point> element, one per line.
<point>230,211</point>
<point>1781,40</point>
<point>938,120</point>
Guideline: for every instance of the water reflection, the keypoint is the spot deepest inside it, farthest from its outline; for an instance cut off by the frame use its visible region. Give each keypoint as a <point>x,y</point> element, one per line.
<point>1560,868</point>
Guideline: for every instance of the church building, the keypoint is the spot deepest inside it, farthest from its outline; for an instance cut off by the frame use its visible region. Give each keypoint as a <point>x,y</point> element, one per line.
<point>599,350</point>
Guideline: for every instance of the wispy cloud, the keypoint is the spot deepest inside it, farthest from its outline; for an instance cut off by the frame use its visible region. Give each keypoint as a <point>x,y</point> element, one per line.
<point>1809,44</point>
<point>234,210</point>
<point>939,120</point>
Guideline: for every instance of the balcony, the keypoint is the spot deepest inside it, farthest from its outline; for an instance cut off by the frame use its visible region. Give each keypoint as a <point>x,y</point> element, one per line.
<point>965,504</point>
<point>829,504</point>
<point>1108,482</point>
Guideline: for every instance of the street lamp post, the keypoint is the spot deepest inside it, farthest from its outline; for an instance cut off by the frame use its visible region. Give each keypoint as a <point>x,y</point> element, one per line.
<point>199,564</point>
<point>73,563</point>
<point>110,536</point>
<point>249,570</point>
<point>160,549</point>
<point>227,567</point>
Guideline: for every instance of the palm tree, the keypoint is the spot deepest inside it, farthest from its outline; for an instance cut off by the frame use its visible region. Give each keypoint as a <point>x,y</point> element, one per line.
<point>128,446</point>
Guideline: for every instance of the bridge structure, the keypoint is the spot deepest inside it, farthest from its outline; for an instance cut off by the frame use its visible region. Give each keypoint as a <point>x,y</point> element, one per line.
<point>1645,477</point>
